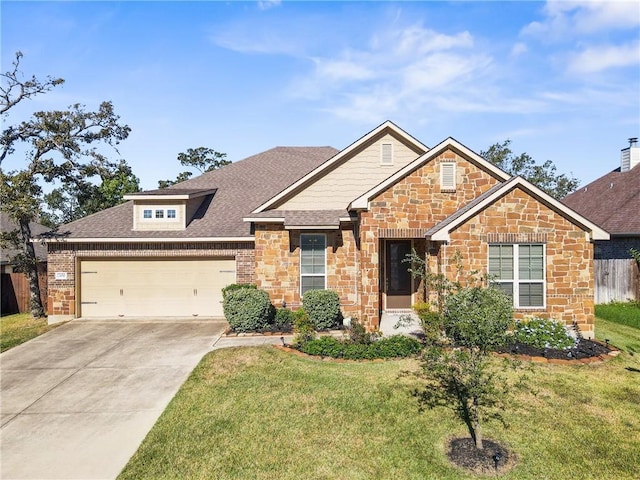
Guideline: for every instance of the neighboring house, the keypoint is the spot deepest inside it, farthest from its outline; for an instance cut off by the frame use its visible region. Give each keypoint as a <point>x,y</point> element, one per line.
<point>293,219</point>
<point>613,202</point>
<point>15,285</point>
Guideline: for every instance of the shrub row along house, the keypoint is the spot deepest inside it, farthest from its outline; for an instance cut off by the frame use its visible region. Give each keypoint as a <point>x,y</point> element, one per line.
<point>298,218</point>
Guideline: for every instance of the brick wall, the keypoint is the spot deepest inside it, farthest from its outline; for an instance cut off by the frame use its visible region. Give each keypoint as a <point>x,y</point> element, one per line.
<point>63,258</point>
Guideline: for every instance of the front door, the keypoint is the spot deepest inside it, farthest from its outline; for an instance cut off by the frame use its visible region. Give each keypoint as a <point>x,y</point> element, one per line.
<point>397,278</point>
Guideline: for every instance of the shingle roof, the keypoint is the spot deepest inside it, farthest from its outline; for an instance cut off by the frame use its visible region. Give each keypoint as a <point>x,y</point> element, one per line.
<point>7,225</point>
<point>612,201</point>
<point>305,218</point>
<point>241,187</point>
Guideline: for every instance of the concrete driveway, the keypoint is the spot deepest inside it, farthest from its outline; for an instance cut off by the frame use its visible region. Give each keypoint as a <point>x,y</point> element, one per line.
<point>77,401</point>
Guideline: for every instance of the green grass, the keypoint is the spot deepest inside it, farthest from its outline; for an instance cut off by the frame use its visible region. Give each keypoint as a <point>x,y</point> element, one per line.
<point>261,413</point>
<point>622,336</point>
<point>18,328</point>
<point>624,313</point>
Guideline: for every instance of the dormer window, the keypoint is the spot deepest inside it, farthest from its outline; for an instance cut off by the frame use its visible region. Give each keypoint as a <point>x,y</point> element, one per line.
<point>147,214</point>
<point>159,213</point>
<point>171,213</point>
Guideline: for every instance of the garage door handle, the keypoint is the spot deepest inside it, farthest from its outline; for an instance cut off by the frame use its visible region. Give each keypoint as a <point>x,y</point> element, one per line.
<point>121,292</point>
<point>195,292</point>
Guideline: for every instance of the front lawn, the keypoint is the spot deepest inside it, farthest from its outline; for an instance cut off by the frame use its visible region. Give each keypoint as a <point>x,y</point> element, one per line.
<point>624,313</point>
<point>261,413</point>
<point>20,327</point>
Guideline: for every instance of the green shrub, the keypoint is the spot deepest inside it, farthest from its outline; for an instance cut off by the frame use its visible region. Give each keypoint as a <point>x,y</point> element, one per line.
<point>542,333</point>
<point>303,328</point>
<point>358,333</point>
<point>236,286</point>
<point>432,323</point>
<point>395,346</point>
<point>283,321</point>
<point>323,308</point>
<point>477,317</point>
<point>247,309</point>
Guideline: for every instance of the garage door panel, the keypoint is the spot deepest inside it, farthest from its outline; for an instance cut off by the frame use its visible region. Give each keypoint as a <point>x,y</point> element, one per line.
<point>154,287</point>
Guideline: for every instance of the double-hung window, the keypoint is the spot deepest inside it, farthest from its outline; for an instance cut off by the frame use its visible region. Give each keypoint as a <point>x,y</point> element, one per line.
<point>313,265</point>
<point>519,271</point>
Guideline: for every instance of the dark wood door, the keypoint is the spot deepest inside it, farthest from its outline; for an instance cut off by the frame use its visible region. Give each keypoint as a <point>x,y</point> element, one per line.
<point>397,277</point>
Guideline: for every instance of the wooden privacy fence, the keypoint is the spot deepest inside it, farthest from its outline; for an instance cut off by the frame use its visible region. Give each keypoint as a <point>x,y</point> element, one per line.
<point>15,291</point>
<point>617,280</point>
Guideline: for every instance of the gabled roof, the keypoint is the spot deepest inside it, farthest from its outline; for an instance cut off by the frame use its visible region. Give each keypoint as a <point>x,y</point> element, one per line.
<point>237,189</point>
<point>450,143</point>
<point>8,225</point>
<point>441,231</point>
<point>387,127</point>
<point>612,201</point>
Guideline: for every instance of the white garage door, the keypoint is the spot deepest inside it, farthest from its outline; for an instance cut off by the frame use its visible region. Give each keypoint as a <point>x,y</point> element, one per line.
<point>154,287</point>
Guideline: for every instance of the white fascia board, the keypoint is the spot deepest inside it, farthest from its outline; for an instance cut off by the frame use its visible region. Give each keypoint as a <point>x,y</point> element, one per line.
<point>595,232</point>
<point>169,196</point>
<point>338,157</point>
<point>311,227</point>
<point>362,202</point>
<point>263,219</point>
<point>146,240</point>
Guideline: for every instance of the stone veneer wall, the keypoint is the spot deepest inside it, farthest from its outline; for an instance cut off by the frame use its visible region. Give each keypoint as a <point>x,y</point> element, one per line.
<point>518,218</point>
<point>277,271</point>
<point>63,258</point>
<point>407,210</point>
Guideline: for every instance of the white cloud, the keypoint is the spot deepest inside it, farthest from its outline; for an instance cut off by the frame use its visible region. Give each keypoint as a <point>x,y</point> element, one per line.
<point>603,57</point>
<point>267,4</point>
<point>568,19</point>
<point>519,49</point>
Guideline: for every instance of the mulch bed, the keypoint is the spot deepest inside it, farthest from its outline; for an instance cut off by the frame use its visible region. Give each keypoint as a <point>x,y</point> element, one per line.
<point>584,350</point>
<point>493,459</point>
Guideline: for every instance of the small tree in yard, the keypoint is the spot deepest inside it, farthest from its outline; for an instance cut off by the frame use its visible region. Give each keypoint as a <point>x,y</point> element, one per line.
<point>461,375</point>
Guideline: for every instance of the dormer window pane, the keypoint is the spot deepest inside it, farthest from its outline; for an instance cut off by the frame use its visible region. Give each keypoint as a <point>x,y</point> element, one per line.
<point>146,214</point>
<point>171,213</point>
<point>159,213</point>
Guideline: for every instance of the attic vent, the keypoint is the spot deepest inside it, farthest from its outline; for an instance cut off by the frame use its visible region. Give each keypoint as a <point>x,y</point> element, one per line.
<point>448,177</point>
<point>386,155</point>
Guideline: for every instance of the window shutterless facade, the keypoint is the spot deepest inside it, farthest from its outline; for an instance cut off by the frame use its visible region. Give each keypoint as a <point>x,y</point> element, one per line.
<point>519,271</point>
<point>313,262</point>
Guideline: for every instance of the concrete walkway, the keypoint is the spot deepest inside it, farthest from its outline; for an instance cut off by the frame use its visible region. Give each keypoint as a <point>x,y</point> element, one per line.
<point>77,401</point>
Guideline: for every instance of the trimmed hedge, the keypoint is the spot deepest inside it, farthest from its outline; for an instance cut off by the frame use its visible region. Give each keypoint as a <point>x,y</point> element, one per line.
<point>396,346</point>
<point>248,309</point>
<point>323,308</point>
<point>236,286</point>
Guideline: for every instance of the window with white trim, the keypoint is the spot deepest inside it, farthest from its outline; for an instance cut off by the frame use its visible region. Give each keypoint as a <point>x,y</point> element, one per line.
<point>448,176</point>
<point>159,213</point>
<point>171,213</point>
<point>386,154</point>
<point>313,262</point>
<point>519,271</point>
<point>147,214</point>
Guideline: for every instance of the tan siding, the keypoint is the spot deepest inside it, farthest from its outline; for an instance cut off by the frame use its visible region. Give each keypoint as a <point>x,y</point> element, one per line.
<point>142,224</point>
<point>337,188</point>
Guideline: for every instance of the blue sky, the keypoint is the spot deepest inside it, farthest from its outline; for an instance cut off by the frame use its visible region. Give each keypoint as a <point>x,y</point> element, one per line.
<point>560,79</point>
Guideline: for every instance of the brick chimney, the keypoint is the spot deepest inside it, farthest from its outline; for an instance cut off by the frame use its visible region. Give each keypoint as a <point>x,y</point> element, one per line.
<point>630,156</point>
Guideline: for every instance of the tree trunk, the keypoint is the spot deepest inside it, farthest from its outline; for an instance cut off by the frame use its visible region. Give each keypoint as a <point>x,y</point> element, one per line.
<point>29,265</point>
<point>477,429</point>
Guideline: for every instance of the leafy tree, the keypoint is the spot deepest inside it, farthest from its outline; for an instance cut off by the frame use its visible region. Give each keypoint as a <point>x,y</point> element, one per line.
<point>463,377</point>
<point>79,198</point>
<point>544,176</point>
<point>202,159</point>
<point>60,145</point>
